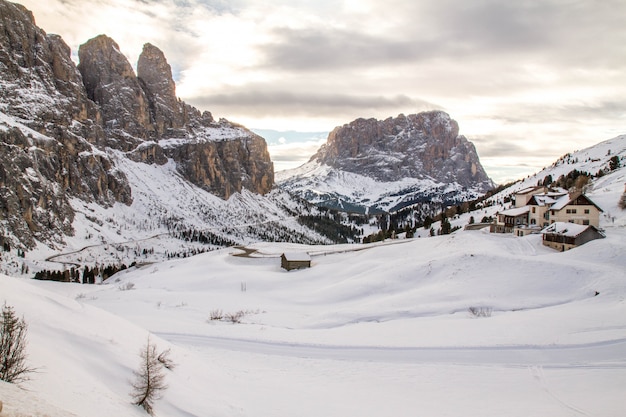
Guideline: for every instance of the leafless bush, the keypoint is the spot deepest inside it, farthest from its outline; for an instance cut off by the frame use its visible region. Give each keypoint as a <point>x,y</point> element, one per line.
<point>480,311</point>
<point>126,287</point>
<point>235,317</point>
<point>13,367</point>
<point>622,201</point>
<point>166,361</point>
<point>216,315</point>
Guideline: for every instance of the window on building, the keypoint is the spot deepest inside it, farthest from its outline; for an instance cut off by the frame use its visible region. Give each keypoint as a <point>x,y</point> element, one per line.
<point>586,211</point>
<point>586,222</point>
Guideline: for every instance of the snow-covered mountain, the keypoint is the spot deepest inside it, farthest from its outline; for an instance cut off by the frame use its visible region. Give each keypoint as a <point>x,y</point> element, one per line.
<point>105,163</point>
<point>373,165</point>
<point>594,162</point>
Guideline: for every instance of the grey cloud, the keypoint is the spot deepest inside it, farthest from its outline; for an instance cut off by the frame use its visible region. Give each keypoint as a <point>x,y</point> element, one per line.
<point>494,146</point>
<point>564,113</point>
<point>460,31</point>
<point>273,102</point>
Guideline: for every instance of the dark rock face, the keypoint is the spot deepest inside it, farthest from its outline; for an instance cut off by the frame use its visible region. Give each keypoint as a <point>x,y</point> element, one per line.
<point>155,75</point>
<point>217,166</point>
<point>110,82</point>
<point>43,90</point>
<point>424,145</point>
<point>66,126</point>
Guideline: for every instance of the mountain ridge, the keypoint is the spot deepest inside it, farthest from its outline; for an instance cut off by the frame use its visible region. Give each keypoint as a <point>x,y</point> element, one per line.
<point>387,164</point>
<point>65,127</point>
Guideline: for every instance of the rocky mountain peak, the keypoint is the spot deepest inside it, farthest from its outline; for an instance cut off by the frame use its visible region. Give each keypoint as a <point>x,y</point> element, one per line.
<point>155,74</point>
<point>423,145</point>
<point>67,132</point>
<point>110,81</point>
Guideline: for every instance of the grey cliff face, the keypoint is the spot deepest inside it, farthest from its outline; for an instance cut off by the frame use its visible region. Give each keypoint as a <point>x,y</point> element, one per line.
<point>111,83</point>
<point>146,107</point>
<point>424,145</point>
<point>91,114</point>
<point>44,91</point>
<point>155,76</point>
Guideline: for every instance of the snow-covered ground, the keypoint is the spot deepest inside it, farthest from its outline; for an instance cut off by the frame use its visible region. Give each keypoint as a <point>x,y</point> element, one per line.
<point>374,330</point>
<point>322,184</point>
<point>384,329</point>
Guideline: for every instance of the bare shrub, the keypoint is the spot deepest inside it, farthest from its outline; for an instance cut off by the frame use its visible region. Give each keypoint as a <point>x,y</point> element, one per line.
<point>216,315</point>
<point>165,360</point>
<point>235,317</point>
<point>13,343</point>
<point>480,311</point>
<point>126,287</point>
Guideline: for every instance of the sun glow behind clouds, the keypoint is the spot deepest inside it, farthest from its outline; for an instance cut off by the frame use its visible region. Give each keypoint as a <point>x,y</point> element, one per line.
<point>523,80</point>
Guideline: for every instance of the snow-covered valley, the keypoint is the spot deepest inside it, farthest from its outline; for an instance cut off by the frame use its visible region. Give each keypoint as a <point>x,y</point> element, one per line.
<point>372,330</point>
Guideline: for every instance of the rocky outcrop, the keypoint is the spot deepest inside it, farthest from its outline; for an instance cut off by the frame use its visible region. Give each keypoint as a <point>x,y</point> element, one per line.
<point>65,126</point>
<point>370,165</point>
<point>139,111</point>
<point>47,153</point>
<point>40,82</point>
<point>155,76</point>
<point>424,145</point>
<point>110,81</point>
<point>218,166</point>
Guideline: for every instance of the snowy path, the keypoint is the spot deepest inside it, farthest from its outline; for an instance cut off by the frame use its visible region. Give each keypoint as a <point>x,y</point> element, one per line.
<point>602,355</point>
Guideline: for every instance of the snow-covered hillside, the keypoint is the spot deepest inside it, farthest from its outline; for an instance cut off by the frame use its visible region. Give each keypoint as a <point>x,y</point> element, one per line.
<point>330,187</point>
<point>372,330</point>
<point>166,212</point>
<point>371,165</point>
<point>590,160</point>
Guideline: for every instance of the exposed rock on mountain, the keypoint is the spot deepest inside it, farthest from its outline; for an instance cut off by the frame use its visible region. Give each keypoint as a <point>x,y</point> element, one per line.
<point>388,164</point>
<point>424,145</point>
<point>219,156</point>
<point>64,130</point>
<point>155,74</point>
<point>111,83</point>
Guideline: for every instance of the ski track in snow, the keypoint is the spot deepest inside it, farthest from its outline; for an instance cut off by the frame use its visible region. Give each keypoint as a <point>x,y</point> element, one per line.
<point>609,354</point>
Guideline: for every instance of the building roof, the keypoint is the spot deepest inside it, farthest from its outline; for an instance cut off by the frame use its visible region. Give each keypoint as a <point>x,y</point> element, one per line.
<point>297,256</point>
<point>515,211</point>
<point>566,229</point>
<point>529,190</point>
<point>561,202</point>
<point>558,200</point>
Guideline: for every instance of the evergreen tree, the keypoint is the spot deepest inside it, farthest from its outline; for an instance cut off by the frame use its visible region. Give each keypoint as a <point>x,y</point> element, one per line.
<point>446,228</point>
<point>614,163</point>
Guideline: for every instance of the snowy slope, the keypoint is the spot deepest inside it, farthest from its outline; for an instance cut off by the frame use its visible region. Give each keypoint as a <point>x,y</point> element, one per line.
<point>326,186</point>
<point>164,205</point>
<point>371,330</point>
<point>590,160</point>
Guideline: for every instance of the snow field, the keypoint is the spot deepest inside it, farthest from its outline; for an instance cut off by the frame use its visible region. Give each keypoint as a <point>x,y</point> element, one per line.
<point>373,332</point>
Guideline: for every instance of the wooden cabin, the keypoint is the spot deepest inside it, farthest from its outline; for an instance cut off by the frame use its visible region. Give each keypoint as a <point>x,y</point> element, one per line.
<point>298,260</point>
<point>565,236</point>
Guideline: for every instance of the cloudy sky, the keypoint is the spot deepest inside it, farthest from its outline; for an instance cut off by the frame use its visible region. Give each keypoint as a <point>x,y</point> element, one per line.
<point>527,80</point>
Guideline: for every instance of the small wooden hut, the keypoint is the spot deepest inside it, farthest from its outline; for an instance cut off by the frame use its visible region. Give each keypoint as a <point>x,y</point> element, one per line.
<point>298,260</point>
